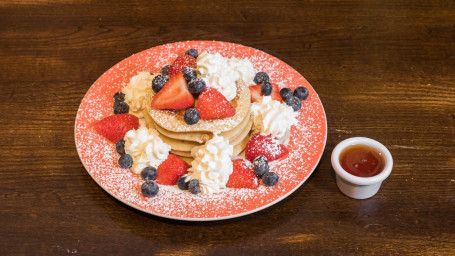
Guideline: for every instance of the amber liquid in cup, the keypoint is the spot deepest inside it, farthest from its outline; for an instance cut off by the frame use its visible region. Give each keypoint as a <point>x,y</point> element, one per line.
<point>362,161</point>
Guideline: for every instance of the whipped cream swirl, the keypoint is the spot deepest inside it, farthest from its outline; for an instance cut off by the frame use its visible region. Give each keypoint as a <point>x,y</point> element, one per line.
<point>135,92</point>
<point>222,73</point>
<point>212,164</point>
<point>272,117</point>
<point>146,148</point>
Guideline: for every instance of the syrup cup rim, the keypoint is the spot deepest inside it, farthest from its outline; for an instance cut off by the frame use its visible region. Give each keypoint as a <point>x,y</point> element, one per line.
<point>356,179</point>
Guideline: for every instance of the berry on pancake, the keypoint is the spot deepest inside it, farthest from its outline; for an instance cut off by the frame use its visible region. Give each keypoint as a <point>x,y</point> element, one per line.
<point>174,95</point>
<point>213,105</point>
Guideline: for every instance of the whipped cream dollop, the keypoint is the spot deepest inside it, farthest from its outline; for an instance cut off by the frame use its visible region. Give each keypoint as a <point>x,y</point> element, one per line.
<point>135,92</point>
<point>272,117</point>
<point>146,148</point>
<point>222,73</point>
<point>212,164</point>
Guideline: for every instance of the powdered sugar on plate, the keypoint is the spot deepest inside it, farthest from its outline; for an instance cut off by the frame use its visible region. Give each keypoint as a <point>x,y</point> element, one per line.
<point>306,144</point>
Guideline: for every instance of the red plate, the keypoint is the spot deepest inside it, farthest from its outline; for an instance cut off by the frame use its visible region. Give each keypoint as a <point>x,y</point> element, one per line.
<point>99,157</point>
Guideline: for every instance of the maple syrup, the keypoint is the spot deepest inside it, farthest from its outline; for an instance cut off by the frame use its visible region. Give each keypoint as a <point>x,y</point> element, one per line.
<point>362,161</point>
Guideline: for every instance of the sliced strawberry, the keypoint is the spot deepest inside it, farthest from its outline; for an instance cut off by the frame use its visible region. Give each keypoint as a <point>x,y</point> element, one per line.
<point>181,63</point>
<point>114,127</point>
<point>276,93</point>
<point>174,95</point>
<point>255,91</point>
<point>213,105</point>
<point>170,170</point>
<point>264,145</point>
<point>242,175</point>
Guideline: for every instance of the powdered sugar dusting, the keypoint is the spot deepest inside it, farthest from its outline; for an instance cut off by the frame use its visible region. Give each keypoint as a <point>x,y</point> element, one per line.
<point>307,140</point>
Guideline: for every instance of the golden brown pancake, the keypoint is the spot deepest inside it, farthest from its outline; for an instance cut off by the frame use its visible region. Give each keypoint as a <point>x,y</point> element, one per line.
<point>238,148</point>
<point>202,137</point>
<point>181,146</point>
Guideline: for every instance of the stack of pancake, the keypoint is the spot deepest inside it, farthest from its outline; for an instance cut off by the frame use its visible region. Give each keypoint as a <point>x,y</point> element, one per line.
<point>183,137</point>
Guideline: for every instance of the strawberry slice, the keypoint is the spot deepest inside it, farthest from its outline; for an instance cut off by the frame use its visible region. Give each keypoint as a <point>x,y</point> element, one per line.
<point>276,93</point>
<point>242,175</point>
<point>264,145</point>
<point>114,127</point>
<point>213,105</point>
<point>174,95</point>
<point>181,63</point>
<point>255,91</point>
<point>170,170</point>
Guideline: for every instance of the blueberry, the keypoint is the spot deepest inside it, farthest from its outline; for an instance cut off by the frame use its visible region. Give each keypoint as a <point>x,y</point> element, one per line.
<point>196,85</point>
<point>270,179</point>
<point>192,52</point>
<point>191,116</point>
<point>119,96</point>
<point>159,81</point>
<point>285,93</point>
<point>294,102</point>
<point>194,187</point>
<point>165,70</point>
<point>189,74</point>
<point>121,107</point>
<point>149,173</point>
<point>261,77</point>
<point>120,146</point>
<point>149,188</point>
<point>183,182</point>
<point>266,88</point>
<point>301,93</point>
<point>261,166</point>
<point>125,161</point>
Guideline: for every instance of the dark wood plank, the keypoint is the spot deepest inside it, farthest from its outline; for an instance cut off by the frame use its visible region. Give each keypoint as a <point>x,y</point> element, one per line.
<point>383,69</point>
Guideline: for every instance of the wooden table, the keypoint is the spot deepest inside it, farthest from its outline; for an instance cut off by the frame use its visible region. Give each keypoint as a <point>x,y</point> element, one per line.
<point>383,69</point>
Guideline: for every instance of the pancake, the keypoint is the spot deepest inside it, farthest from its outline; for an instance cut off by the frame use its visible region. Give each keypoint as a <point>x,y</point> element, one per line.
<point>241,145</point>
<point>179,145</point>
<point>187,146</point>
<point>181,153</point>
<point>201,137</point>
<point>238,148</point>
<point>172,120</point>
<point>244,133</point>
<point>183,138</point>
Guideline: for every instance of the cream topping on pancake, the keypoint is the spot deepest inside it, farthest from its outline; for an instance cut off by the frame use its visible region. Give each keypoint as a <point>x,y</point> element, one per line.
<point>272,117</point>
<point>146,148</point>
<point>212,164</point>
<point>136,92</point>
<point>222,73</point>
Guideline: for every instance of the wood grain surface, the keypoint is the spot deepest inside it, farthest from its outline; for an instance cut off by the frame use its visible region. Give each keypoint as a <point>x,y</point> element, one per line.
<point>383,69</point>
